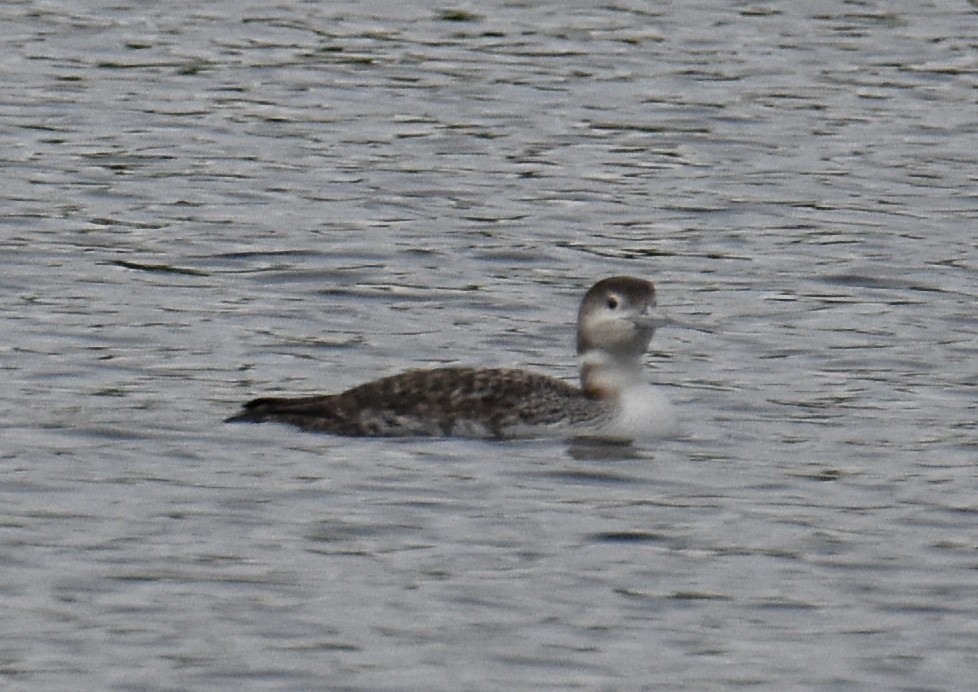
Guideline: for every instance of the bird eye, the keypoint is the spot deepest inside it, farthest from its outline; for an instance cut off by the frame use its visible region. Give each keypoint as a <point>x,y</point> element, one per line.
<point>612,302</point>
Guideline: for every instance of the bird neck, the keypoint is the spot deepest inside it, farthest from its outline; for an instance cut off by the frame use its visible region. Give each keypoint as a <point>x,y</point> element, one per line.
<point>606,375</point>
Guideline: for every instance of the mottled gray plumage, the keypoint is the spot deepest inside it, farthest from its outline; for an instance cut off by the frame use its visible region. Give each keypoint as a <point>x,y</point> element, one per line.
<point>469,402</point>
<point>614,328</point>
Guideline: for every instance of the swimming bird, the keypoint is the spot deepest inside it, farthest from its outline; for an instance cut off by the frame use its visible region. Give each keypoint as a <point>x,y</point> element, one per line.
<point>615,324</point>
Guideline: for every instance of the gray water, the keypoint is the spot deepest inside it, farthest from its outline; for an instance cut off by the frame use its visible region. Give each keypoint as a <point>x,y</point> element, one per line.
<point>206,202</point>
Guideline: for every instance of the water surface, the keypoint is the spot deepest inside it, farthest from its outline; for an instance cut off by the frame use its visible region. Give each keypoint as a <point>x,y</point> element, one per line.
<point>207,203</point>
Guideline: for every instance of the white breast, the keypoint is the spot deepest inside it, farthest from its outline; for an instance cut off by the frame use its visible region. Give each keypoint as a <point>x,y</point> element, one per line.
<point>643,412</point>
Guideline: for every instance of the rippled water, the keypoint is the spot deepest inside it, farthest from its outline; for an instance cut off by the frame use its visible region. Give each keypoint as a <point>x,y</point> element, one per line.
<point>207,202</point>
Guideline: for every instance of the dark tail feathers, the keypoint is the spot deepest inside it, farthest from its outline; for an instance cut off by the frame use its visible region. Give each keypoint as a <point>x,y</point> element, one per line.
<point>256,410</point>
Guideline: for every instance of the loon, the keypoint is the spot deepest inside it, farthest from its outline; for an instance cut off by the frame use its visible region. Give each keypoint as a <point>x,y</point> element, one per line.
<point>615,325</point>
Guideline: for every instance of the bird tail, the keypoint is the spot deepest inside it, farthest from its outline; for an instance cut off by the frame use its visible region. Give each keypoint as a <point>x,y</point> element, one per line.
<point>258,410</point>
